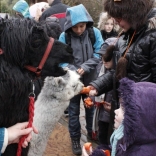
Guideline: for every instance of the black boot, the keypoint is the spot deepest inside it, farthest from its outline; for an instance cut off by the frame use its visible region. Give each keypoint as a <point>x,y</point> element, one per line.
<point>76,147</point>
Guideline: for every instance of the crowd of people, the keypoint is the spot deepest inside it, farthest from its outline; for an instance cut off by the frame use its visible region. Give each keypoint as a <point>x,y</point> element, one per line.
<point>117,62</point>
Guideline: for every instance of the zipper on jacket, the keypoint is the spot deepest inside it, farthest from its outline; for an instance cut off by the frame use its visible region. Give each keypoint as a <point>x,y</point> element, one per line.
<point>83,56</point>
<point>82,48</point>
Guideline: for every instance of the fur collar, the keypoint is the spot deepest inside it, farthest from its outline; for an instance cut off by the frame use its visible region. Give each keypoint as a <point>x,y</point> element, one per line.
<point>152,19</point>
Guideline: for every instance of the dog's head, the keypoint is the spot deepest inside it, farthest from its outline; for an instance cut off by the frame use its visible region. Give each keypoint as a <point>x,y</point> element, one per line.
<point>63,87</point>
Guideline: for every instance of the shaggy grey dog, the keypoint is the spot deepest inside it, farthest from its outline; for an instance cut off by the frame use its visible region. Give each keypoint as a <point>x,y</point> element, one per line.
<point>51,102</point>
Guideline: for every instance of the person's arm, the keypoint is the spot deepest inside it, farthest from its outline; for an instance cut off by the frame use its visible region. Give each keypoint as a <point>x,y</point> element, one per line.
<point>93,62</point>
<point>14,133</point>
<point>104,83</point>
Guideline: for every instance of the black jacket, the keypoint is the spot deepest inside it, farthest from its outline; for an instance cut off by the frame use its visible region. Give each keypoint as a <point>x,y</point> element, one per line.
<point>56,7</point>
<point>142,62</point>
<point>141,56</point>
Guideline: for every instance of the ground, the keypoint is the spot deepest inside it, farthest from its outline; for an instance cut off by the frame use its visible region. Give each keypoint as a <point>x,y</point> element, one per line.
<point>59,143</point>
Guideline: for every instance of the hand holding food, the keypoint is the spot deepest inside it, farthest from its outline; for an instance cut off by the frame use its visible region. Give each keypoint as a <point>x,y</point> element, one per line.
<point>88,102</point>
<point>85,90</point>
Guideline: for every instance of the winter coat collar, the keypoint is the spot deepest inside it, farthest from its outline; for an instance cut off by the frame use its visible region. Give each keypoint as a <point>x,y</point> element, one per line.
<point>152,19</point>
<point>106,35</point>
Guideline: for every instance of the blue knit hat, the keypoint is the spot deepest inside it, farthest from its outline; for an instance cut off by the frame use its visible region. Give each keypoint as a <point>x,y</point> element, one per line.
<point>22,7</point>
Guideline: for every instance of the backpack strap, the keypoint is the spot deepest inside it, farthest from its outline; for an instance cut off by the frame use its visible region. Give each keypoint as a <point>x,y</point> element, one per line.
<point>91,35</point>
<point>68,38</point>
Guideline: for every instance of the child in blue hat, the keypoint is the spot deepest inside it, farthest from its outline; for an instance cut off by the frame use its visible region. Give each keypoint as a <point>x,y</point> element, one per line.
<point>22,9</point>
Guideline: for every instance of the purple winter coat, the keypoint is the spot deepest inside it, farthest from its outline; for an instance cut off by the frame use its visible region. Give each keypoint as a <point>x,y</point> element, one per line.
<point>139,119</point>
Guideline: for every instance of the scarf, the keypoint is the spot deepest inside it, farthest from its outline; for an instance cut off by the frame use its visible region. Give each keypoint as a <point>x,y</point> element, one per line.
<point>115,137</point>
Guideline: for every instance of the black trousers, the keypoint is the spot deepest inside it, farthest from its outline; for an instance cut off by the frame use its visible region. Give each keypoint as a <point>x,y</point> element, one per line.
<point>103,132</point>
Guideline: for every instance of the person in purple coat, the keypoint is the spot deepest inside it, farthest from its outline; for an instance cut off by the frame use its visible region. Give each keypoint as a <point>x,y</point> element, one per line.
<point>135,121</point>
<point>135,134</point>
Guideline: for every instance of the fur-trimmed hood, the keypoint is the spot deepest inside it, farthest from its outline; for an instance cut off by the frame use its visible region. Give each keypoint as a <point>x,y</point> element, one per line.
<point>152,19</point>
<point>140,113</point>
<point>133,11</point>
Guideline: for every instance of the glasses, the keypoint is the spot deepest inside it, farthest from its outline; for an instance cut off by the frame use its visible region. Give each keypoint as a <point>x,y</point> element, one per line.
<point>118,20</point>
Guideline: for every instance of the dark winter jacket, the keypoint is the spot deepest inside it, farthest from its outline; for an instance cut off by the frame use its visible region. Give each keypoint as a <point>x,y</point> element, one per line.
<point>85,56</point>
<point>141,56</point>
<point>142,61</point>
<point>56,7</point>
<point>106,35</point>
<point>139,104</point>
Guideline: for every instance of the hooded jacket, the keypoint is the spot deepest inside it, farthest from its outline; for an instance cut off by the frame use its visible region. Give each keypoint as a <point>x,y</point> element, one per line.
<point>141,56</point>
<point>84,55</point>
<point>22,7</point>
<point>139,104</point>
<point>55,8</point>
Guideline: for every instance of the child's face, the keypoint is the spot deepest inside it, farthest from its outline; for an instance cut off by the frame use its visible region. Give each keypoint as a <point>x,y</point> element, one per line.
<point>108,65</point>
<point>79,28</point>
<point>108,26</point>
<point>119,116</point>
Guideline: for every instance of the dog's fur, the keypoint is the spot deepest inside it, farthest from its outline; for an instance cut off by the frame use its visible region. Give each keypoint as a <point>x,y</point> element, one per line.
<point>24,42</point>
<point>51,102</point>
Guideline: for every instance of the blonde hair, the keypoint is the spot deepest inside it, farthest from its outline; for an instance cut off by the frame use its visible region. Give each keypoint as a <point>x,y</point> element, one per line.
<point>104,17</point>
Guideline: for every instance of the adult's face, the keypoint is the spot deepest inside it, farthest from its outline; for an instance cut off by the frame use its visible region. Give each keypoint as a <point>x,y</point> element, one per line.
<point>123,24</point>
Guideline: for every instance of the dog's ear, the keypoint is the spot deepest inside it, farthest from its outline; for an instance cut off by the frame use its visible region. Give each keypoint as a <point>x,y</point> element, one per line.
<point>59,81</point>
<point>38,37</point>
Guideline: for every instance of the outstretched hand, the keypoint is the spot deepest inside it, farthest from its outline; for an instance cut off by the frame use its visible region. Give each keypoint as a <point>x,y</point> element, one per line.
<point>16,131</point>
<point>93,92</point>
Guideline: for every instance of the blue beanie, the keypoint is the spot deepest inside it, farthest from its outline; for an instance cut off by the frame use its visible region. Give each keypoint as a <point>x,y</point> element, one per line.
<point>22,7</point>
